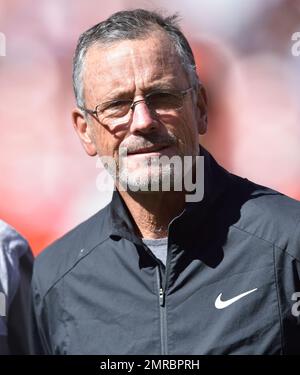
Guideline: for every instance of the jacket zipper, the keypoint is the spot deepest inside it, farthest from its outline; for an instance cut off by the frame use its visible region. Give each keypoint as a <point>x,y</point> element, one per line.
<point>163,315</point>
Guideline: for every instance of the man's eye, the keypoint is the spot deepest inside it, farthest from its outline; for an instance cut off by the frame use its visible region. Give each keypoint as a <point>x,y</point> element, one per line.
<point>164,100</point>
<point>118,106</point>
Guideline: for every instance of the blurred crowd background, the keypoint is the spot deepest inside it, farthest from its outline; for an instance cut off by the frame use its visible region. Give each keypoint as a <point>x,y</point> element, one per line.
<point>243,53</point>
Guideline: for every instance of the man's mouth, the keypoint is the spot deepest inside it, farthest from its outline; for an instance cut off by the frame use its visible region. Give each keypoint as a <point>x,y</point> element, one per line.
<point>148,150</point>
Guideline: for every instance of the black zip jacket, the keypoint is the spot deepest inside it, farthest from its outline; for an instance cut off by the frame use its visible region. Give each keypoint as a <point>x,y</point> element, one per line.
<point>99,289</point>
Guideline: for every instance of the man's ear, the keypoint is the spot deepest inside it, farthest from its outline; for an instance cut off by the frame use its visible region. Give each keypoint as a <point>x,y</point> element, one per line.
<point>202,109</point>
<point>84,132</point>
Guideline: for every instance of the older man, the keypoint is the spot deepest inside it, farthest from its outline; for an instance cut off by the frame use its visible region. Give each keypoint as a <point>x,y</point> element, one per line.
<point>155,272</point>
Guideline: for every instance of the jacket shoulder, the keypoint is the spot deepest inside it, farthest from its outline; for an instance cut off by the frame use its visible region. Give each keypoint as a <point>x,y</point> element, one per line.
<point>271,216</point>
<point>8,235</point>
<point>12,244</point>
<point>60,256</point>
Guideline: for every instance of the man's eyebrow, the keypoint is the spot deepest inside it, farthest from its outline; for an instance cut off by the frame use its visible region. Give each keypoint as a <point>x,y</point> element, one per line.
<point>170,85</point>
<point>118,94</point>
<point>128,94</point>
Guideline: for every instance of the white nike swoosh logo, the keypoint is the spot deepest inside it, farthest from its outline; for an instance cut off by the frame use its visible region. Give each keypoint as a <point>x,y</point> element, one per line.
<point>219,304</point>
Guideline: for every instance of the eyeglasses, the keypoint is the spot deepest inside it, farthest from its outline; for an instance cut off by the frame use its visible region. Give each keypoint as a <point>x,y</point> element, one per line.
<point>118,112</point>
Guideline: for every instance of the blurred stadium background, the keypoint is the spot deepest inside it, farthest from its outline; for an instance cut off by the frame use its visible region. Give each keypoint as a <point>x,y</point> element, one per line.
<point>243,53</point>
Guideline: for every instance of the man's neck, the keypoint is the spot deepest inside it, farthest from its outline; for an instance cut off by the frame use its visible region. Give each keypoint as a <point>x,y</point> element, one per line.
<point>153,211</point>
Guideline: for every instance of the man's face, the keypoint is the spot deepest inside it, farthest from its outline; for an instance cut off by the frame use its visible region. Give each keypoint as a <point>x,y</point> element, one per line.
<point>131,69</point>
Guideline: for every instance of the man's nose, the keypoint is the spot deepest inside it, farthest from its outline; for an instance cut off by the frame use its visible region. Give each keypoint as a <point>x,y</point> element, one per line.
<point>143,120</point>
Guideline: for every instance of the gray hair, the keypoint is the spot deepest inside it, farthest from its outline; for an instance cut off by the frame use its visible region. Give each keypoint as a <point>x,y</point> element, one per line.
<point>131,24</point>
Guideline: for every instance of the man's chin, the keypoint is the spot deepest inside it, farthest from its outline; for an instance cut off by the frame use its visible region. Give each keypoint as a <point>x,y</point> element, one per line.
<point>152,180</point>
<point>135,179</point>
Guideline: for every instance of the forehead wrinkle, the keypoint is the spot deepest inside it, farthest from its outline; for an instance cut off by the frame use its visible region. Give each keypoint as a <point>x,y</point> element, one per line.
<point>149,63</point>
<point>155,66</point>
<point>106,69</point>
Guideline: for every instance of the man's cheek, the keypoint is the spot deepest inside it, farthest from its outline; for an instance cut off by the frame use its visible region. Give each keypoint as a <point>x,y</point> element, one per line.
<point>106,147</point>
<point>187,140</point>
